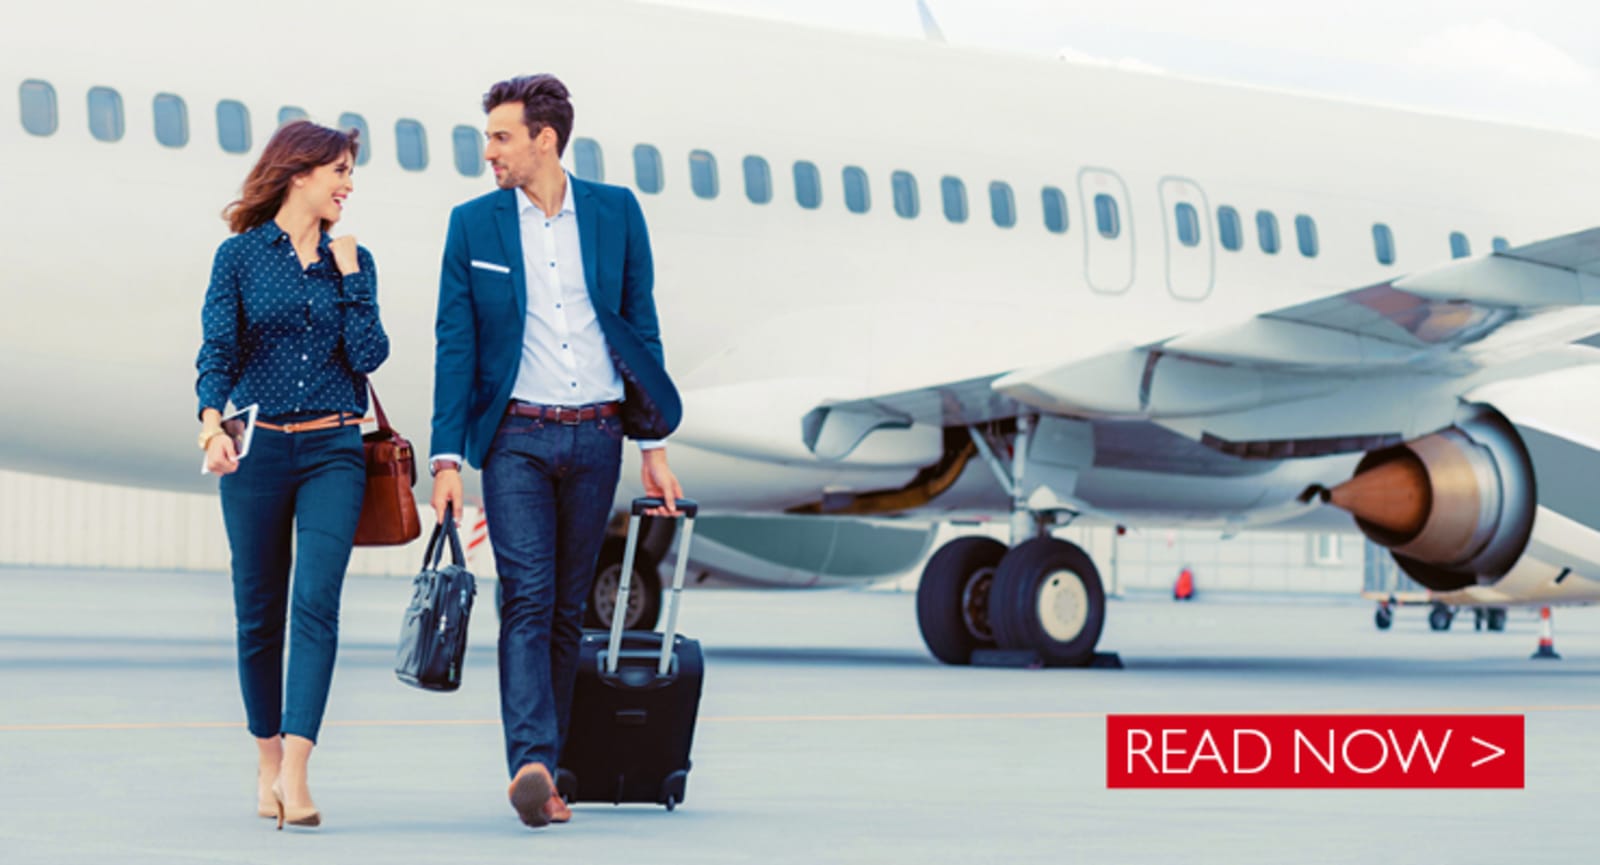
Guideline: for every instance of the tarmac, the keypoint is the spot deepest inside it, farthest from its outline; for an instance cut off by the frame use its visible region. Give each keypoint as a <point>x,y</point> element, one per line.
<point>827,734</point>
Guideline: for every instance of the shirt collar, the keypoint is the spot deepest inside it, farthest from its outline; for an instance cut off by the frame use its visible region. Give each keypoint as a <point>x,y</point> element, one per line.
<point>568,205</point>
<point>274,234</point>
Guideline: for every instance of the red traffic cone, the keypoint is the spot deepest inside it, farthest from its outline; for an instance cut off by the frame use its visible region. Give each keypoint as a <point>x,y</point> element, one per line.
<point>1183,589</point>
<point>1547,639</point>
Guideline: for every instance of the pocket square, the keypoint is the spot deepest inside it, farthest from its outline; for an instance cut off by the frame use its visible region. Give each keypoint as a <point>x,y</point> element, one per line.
<point>490,266</point>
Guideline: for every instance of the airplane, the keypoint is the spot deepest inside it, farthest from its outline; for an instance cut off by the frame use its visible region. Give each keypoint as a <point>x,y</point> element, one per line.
<point>900,282</point>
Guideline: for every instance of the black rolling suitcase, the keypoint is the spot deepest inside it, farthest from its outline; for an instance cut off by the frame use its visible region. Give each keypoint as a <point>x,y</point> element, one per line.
<point>636,698</point>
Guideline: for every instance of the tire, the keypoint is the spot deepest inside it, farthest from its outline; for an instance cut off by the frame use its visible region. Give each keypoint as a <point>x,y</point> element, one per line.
<point>1383,618</point>
<point>1497,618</point>
<point>644,595</point>
<point>1047,597</point>
<point>953,598</point>
<point>1440,617</point>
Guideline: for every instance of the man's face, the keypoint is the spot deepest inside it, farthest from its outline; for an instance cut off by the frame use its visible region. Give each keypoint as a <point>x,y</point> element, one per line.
<point>513,154</point>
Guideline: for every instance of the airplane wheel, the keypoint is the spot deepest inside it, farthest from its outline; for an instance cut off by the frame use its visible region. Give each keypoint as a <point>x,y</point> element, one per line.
<point>1497,619</point>
<point>1047,597</point>
<point>1383,618</point>
<point>1440,617</point>
<point>644,595</point>
<point>953,598</point>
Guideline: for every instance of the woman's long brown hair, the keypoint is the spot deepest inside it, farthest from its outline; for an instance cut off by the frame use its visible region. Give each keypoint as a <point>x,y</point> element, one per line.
<point>296,148</point>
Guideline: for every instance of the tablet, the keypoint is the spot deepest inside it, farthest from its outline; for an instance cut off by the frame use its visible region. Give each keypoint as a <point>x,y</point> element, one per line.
<point>241,425</point>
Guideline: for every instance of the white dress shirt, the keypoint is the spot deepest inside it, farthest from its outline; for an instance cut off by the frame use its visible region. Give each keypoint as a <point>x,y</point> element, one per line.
<point>565,359</point>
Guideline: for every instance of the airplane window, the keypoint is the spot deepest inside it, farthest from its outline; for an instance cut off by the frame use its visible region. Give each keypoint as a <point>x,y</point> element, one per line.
<point>647,168</point>
<point>1383,243</point>
<point>954,193</point>
<point>1500,244</point>
<point>1228,229</point>
<point>38,107</point>
<point>1267,229</point>
<point>290,113</point>
<point>1188,222</point>
<point>350,120</point>
<point>411,145</point>
<point>1459,245</point>
<point>469,151</point>
<point>1002,204</point>
<point>703,173</point>
<point>905,194</point>
<point>857,197</point>
<point>757,180</point>
<point>1106,216</point>
<point>807,185</point>
<point>1305,231</point>
<point>172,120</point>
<point>587,160</point>
<point>105,114</point>
<point>233,126</point>
<point>1055,210</point>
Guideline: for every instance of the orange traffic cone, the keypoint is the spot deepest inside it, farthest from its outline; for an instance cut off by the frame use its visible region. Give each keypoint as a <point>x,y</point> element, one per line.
<point>1183,589</point>
<point>1547,639</point>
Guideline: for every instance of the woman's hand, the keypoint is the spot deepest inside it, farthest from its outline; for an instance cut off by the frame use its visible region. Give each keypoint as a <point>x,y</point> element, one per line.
<point>344,254</point>
<point>220,458</point>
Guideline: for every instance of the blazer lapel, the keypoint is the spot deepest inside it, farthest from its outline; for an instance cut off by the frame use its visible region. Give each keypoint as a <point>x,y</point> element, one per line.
<point>589,239</point>
<point>508,221</point>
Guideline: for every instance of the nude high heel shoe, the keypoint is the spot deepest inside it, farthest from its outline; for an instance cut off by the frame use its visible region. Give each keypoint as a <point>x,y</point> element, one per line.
<point>307,817</point>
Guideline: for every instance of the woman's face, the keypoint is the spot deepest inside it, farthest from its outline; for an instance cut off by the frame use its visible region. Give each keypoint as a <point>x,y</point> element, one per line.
<point>323,189</point>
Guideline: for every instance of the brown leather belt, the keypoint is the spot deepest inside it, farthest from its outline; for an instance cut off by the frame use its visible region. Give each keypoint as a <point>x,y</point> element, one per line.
<point>562,413</point>
<point>332,421</point>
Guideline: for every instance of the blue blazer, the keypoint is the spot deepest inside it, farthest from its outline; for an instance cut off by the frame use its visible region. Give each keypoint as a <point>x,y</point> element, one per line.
<point>482,314</point>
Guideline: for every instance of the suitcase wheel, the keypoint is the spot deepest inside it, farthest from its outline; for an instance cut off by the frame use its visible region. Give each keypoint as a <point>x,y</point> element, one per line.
<point>672,789</point>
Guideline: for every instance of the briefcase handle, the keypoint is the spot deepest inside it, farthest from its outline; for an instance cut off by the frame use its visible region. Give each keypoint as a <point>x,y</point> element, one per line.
<point>430,559</point>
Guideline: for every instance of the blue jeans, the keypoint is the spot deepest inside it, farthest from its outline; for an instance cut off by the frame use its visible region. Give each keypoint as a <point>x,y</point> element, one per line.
<point>547,490</point>
<point>306,486</point>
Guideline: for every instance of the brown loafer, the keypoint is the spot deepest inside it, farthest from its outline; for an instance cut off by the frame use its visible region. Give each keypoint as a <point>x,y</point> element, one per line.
<point>556,809</point>
<point>530,793</point>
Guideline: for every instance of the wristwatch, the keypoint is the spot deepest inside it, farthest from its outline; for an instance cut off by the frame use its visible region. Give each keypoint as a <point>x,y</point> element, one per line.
<point>436,466</point>
<point>206,435</point>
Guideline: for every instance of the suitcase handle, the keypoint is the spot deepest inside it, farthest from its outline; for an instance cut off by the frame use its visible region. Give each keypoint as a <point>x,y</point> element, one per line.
<point>688,509</point>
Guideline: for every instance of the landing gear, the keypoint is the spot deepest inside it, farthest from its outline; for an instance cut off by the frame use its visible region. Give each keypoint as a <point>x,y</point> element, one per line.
<point>1440,617</point>
<point>644,595</point>
<point>953,598</point>
<point>1043,595</point>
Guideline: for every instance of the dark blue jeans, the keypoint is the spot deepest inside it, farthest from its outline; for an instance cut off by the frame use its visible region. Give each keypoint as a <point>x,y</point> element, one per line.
<point>547,490</point>
<point>306,487</point>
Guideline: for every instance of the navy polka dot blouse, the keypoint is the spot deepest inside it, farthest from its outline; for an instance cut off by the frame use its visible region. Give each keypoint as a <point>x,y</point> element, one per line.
<point>293,341</point>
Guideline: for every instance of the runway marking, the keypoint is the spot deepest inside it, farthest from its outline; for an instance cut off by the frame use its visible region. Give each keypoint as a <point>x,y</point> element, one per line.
<point>801,719</point>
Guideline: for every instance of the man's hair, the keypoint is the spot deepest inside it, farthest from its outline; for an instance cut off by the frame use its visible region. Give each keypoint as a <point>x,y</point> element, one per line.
<point>545,102</point>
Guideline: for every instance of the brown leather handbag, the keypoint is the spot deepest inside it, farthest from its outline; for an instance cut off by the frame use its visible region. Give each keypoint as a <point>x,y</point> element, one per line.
<point>389,510</point>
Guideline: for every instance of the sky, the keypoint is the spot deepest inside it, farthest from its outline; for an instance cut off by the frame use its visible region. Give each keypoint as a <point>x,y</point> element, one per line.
<point>1535,62</point>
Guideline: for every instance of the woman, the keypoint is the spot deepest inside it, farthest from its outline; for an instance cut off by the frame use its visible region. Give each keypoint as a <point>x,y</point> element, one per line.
<point>291,325</point>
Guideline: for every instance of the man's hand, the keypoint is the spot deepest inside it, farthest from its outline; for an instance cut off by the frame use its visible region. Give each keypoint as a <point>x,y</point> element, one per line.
<point>659,482</point>
<point>344,254</point>
<point>447,491</point>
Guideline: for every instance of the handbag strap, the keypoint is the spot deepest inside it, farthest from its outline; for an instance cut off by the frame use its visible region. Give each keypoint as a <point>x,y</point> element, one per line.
<point>383,418</point>
<point>435,551</point>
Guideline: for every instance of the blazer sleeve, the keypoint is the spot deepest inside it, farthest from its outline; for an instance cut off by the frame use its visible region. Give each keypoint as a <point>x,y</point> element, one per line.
<point>455,350</point>
<point>218,362</point>
<point>639,280</point>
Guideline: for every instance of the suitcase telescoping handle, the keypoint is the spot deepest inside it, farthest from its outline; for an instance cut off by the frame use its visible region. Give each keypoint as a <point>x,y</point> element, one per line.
<point>688,508</point>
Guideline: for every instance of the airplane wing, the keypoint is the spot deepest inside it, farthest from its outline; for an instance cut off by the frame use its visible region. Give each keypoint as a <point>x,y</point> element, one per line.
<point>1446,322</point>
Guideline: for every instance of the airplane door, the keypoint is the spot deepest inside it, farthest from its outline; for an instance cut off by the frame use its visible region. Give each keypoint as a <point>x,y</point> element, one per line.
<point>1108,243</point>
<point>1191,250</point>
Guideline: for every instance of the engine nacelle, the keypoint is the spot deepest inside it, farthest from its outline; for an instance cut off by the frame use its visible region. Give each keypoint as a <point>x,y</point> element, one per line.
<point>1456,507</point>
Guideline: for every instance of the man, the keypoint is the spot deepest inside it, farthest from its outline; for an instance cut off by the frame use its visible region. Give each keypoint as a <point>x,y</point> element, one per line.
<point>548,354</point>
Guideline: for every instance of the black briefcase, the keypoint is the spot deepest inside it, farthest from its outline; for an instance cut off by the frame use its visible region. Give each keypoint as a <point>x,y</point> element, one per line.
<point>433,635</point>
<point>635,700</point>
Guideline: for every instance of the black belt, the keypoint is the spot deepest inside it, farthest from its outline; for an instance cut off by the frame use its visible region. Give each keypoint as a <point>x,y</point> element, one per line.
<point>564,414</point>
